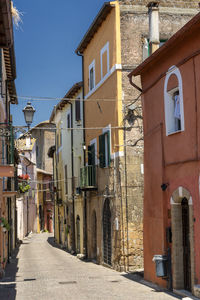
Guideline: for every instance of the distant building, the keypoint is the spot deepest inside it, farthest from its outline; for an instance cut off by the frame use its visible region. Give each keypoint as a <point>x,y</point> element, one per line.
<point>44,134</point>
<point>68,158</point>
<point>26,201</point>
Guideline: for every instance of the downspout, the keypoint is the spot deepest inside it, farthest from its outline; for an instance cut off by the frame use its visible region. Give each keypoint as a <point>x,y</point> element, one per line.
<point>84,160</point>
<point>72,182</point>
<point>56,204</point>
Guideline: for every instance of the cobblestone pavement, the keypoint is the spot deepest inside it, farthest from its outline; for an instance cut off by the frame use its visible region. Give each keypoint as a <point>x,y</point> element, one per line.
<point>43,271</point>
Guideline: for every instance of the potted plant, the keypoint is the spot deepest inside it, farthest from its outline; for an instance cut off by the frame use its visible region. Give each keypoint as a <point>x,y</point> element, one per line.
<point>23,183</point>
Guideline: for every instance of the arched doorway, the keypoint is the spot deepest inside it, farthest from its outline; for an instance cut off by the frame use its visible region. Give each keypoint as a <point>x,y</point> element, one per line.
<point>107,240</point>
<point>182,239</point>
<point>94,235</point>
<point>186,244</point>
<point>78,234</point>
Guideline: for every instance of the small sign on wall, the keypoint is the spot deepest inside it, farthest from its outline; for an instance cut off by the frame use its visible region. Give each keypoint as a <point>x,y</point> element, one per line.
<point>116,224</point>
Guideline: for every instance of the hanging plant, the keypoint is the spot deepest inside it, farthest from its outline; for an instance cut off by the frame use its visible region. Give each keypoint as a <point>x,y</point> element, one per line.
<point>24,187</point>
<point>23,183</point>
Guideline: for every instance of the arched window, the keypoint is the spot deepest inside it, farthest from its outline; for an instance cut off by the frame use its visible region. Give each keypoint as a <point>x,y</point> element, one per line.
<point>173,97</point>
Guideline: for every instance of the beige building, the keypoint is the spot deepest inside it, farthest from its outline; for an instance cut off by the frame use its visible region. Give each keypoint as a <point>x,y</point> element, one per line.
<point>112,179</point>
<point>68,160</point>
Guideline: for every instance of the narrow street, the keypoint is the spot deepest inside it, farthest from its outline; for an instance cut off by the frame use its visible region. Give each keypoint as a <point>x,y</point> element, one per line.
<point>43,271</point>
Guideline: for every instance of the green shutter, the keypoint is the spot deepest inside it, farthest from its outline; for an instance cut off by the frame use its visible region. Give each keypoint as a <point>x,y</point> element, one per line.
<point>108,142</point>
<point>102,150</point>
<point>89,156</point>
<point>93,154</point>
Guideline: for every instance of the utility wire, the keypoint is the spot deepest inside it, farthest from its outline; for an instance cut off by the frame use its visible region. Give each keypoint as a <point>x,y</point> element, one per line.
<point>30,98</point>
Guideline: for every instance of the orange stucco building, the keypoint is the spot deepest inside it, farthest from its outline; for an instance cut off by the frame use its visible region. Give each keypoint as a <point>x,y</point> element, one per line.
<point>171,106</point>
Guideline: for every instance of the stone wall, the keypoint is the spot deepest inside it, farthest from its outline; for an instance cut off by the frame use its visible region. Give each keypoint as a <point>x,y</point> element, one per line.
<point>134,31</point>
<point>165,3</point>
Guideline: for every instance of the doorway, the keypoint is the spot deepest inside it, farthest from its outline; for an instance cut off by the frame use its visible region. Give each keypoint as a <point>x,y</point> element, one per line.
<point>78,235</point>
<point>182,239</point>
<point>94,235</point>
<point>186,244</point>
<point>107,242</point>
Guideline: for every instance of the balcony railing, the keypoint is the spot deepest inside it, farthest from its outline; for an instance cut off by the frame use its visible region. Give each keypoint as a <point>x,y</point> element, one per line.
<point>88,178</point>
<point>6,150</point>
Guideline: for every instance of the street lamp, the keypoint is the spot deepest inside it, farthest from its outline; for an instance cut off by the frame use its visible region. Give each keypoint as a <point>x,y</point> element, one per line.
<point>28,114</point>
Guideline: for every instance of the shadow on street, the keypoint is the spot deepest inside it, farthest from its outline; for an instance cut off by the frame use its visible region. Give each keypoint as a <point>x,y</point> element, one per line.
<point>8,283</point>
<point>139,277</point>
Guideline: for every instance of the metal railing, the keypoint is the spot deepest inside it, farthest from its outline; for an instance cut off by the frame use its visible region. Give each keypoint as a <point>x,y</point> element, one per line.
<point>88,177</point>
<point>6,144</point>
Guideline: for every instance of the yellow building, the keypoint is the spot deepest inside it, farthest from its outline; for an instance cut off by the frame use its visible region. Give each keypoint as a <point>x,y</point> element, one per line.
<point>68,160</point>
<point>111,179</point>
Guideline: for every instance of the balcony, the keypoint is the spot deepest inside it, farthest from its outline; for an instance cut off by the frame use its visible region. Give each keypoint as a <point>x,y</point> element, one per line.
<point>88,178</point>
<point>6,150</point>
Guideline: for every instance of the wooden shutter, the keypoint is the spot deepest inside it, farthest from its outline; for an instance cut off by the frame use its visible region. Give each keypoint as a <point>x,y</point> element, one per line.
<point>108,143</point>
<point>66,181</point>
<point>102,150</point>
<point>68,121</point>
<point>78,109</point>
<point>89,156</point>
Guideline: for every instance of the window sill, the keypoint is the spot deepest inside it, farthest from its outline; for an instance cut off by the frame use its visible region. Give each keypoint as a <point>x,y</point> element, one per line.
<point>175,132</point>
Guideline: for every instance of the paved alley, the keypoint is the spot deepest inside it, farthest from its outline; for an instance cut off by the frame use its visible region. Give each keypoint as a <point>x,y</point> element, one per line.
<point>42,271</point>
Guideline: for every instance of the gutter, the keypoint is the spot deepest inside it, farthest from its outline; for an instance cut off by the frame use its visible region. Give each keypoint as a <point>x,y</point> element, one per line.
<point>72,160</point>
<point>130,76</point>
<point>85,249</point>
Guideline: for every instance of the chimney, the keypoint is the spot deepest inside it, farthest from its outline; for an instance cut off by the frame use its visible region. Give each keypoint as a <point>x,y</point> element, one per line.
<point>154,40</point>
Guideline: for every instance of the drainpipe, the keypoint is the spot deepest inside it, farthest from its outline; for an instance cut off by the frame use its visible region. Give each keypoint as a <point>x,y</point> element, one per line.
<point>72,160</point>
<point>84,161</point>
<point>154,40</point>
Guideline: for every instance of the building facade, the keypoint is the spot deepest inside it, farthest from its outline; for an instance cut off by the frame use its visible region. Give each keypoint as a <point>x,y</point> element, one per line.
<point>116,41</point>
<point>26,201</point>
<point>8,157</point>
<point>170,97</point>
<point>68,160</point>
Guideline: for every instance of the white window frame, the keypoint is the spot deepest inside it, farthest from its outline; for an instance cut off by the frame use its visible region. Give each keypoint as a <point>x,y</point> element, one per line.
<point>92,65</point>
<point>168,101</point>
<point>103,50</point>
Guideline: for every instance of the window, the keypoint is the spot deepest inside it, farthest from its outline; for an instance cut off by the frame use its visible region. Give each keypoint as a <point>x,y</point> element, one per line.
<point>66,181</point>
<point>78,109</point>
<point>44,192</point>
<point>92,75</point>
<point>91,155</point>
<point>146,47</point>
<point>173,98</point>
<point>60,137</point>
<point>104,149</point>
<point>68,121</point>
<point>105,64</point>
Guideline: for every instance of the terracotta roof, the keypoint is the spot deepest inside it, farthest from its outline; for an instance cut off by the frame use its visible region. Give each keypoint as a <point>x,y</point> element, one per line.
<point>70,94</point>
<point>103,13</point>
<point>171,43</point>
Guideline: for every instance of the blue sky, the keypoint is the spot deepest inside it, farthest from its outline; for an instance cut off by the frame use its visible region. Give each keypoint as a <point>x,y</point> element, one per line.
<point>47,65</point>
